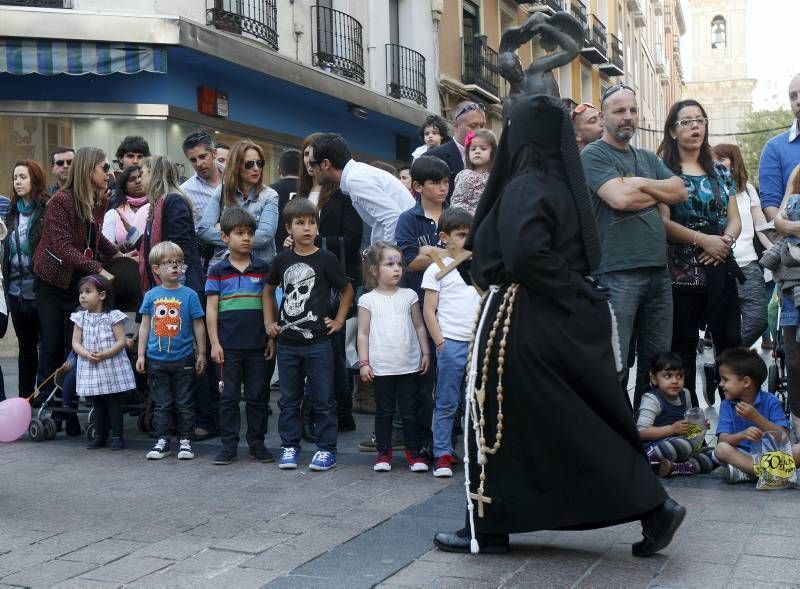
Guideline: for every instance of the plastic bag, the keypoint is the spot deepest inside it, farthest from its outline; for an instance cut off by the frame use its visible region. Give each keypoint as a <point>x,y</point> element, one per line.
<point>774,463</point>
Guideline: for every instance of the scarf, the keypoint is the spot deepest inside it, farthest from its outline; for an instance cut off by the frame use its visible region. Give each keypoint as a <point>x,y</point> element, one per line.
<point>151,237</point>
<point>24,209</point>
<point>135,203</point>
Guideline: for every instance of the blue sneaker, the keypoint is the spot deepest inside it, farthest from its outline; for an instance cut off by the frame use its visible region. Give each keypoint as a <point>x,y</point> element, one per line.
<point>288,459</point>
<point>323,460</point>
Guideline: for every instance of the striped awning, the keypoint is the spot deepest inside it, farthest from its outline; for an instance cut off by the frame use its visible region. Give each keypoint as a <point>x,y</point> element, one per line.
<point>76,58</point>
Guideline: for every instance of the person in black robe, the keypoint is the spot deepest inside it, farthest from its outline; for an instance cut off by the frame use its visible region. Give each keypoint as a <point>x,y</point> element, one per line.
<point>570,455</point>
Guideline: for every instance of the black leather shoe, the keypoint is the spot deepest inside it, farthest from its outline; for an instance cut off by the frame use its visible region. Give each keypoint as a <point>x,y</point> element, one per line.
<point>459,542</point>
<point>658,528</point>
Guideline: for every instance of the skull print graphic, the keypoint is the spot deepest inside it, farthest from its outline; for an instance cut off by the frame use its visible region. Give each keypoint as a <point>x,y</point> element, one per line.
<point>298,281</point>
<point>166,320</point>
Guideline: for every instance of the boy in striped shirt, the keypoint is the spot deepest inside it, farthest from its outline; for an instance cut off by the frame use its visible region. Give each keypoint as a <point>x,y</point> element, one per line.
<point>239,344</point>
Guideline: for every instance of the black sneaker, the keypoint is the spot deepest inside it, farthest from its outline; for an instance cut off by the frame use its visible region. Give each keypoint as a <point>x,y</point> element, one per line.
<point>96,443</point>
<point>160,450</point>
<point>185,451</point>
<point>117,443</point>
<point>261,454</point>
<point>224,457</point>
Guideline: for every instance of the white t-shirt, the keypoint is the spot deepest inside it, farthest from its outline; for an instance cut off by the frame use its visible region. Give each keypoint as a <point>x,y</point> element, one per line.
<point>393,343</point>
<point>419,151</point>
<point>458,302</point>
<point>745,251</point>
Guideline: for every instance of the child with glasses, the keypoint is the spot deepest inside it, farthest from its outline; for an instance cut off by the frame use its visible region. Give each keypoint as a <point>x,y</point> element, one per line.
<point>171,327</point>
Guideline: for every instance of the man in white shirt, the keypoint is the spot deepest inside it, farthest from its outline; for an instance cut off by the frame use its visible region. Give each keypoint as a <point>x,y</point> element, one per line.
<point>377,196</point>
<point>200,151</point>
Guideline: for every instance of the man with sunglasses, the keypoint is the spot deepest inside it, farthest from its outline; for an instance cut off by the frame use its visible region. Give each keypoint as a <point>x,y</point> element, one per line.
<point>628,185</point>
<point>61,161</point>
<point>588,124</point>
<point>467,116</point>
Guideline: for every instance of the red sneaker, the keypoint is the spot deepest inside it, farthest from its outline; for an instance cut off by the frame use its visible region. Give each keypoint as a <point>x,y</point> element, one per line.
<point>383,462</point>
<point>415,461</point>
<point>444,466</point>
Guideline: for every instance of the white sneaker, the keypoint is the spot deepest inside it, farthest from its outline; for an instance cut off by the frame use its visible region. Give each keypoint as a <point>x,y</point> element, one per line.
<point>160,450</point>
<point>185,450</point>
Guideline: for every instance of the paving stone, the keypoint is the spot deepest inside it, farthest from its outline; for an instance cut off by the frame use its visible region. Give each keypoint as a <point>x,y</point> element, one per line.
<point>296,523</point>
<point>726,513</point>
<point>609,576</point>
<point>692,574</point>
<point>768,545</point>
<point>418,573</point>
<point>80,583</point>
<point>778,526</point>
<point>252,542</point>
<point>128,569</point>
<point>283,557</point>
<point>47,574</point>
<point>240,578</point>
<point>209,562</point>
<point>10,539</point>
<point>767,568</point>
<point>719,551</point>
<point>178,547</point>
<point>456,583</point>
<point>104,551</point>
<point>749,584</point>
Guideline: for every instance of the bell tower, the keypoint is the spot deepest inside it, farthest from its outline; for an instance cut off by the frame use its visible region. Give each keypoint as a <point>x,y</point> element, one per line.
<point>719,65</point>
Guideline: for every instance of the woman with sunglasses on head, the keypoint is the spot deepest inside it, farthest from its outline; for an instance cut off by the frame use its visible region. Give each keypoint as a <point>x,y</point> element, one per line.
<point>71,246</point>
<point>702,233</point>
<point>243,185</point>
<point>127,212</point>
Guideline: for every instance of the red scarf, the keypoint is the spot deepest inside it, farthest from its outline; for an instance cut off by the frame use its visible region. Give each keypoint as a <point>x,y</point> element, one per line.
<point>155,237</point>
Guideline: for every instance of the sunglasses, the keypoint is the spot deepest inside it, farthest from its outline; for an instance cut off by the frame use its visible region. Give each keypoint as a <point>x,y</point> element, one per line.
<point>581,108</point>
<point>312,163</point>
<point>468,108</point>
<point>105,167</point>
<point>61,163</point>
<point>702,121</point>
<point>248,165</point>
<point>616,88</point>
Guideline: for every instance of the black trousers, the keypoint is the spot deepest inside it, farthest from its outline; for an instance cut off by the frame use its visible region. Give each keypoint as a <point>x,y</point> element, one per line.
<point>26,325</point>
<point>54,306</point>
<point>688,313</point>
<point>792,349</point>
<point>108,410</point>
<point>246,367</point>
<point>396,391</point>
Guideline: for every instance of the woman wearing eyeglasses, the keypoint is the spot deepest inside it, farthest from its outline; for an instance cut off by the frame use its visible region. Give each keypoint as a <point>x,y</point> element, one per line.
<point>243,185</point>
<point>701,233</point>
<point>72,246</point>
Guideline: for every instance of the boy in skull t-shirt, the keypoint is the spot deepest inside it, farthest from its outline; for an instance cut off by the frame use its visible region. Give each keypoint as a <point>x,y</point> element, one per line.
<point>307,318</point>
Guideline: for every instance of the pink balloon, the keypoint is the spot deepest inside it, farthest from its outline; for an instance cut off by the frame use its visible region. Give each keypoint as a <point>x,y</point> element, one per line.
<point>15,416</point>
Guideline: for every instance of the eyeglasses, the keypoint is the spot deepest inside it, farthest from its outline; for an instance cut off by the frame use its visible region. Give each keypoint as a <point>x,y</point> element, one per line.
<point>616,88</point>
<point>468,108</point>
<point>173,265</point>
<point>312,163</point>
<point>61,163</point>
<point>248,165</point>
<point>105,167</point>
<point>581,108</point>
<point>702,121</point>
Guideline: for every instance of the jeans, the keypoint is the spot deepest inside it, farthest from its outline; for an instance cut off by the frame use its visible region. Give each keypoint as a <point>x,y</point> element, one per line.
<point>690,313</point>
<point>248,367</point>
<point>792,350</point>
<point>641,297</point>
<point>452,362</point>
<point>108,409</point>
<point>753,304</point>
<point>26,325</point>
<point>399,390</point>
<point>295,364</point>
<point>172,388</point>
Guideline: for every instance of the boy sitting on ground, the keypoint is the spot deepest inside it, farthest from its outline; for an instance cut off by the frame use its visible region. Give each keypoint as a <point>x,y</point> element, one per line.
<point>746,413</point>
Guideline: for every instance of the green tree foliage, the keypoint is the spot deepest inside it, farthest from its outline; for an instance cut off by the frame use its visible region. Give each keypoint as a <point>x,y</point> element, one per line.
<point>753,143</point>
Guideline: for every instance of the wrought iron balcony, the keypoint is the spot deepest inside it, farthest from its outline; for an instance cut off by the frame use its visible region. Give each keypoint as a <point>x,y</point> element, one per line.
<point>337,44</point>
<point>578,10</point>
<point>595,49</point>
<point>549,5</point>
<point>658,7</point>
<point>405,74</point>
<point>35,3</point>
<point>659,59</point>
<point>257,18</point>
<point>614,67</point>
<point>479,65</point>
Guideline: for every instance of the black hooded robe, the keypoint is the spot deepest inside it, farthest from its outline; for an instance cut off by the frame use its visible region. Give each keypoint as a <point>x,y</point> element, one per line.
<point>570,455</point>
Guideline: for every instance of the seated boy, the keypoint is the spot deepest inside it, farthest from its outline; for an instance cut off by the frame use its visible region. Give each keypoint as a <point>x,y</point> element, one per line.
<point>449,311</point>
<point>307,275</point>
<point>746,413</point>
<point>239,343</point>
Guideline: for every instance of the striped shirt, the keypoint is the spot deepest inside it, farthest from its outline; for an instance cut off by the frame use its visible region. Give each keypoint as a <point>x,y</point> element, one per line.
<point>240,319</point>
<point>200,193</point>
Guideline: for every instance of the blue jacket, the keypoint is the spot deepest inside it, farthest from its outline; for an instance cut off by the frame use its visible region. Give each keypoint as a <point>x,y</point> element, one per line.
<point>778,160</point>
<point>413,230</point>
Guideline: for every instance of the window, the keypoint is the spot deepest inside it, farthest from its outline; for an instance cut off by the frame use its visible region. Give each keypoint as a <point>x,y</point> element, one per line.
<point>471,25</point>
<point>719,33</point>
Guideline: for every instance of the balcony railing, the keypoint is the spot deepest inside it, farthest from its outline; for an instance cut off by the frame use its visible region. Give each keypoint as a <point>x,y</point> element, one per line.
<point>480,65</point>
<point>578,10</point>
<point>596,44</point>
<point>338,45</point>
<point>405,74</point>
<point>258,18</point>
<point>614,67</point>
<point>553,5</point>
<point>35,3</point>
<point>659,59</point>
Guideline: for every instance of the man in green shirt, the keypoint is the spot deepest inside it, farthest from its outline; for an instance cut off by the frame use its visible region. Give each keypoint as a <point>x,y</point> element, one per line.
<point>627,186</point>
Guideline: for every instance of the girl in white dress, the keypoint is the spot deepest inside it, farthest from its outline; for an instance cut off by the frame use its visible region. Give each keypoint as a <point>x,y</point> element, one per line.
<point>104,371</point>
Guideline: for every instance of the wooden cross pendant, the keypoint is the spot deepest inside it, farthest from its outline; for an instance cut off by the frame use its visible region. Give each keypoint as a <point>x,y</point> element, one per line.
<point>481,499</point>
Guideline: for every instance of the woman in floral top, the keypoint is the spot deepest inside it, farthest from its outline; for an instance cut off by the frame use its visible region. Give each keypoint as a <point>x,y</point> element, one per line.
<point>480,147</point>
<point>708,224</point>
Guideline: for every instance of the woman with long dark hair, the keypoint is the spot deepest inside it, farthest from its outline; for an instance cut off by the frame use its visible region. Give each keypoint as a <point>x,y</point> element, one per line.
<point>128,209</point>
<point>702,232</point>
<point>25,219</point>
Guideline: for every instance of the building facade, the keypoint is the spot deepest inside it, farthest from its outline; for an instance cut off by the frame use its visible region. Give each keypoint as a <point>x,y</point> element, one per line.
<point>630,41</point>
<point>719,65</point>
<point>89,72</point>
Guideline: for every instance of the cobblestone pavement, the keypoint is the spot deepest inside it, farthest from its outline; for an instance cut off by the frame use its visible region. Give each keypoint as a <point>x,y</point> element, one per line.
<point>74,518</point>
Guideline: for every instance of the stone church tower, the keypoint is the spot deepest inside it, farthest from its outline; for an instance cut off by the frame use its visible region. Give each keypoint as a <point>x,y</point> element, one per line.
<point>719,65</point>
